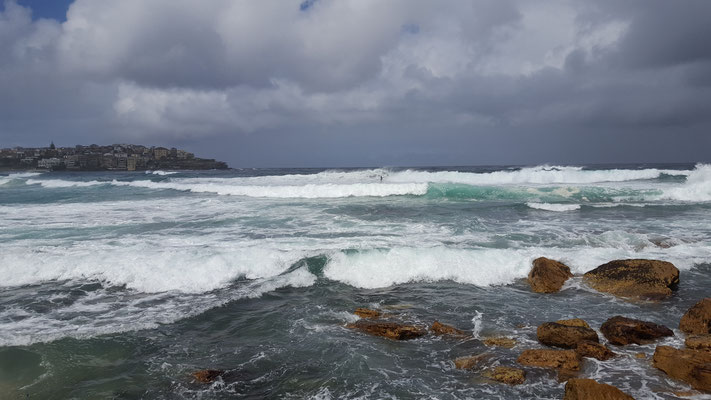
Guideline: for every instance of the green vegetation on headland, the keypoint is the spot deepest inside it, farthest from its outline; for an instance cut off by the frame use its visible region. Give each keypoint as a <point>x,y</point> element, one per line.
<point>116,157</point>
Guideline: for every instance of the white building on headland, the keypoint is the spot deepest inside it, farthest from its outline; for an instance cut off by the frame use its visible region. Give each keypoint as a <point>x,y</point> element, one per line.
<point>49,163</point>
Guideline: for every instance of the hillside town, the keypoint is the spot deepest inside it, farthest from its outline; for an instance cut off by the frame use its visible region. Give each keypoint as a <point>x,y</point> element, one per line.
<point>116,157</point>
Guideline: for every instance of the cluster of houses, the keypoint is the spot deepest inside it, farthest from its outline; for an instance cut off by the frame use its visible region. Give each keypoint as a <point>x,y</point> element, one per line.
<point>121,157</point>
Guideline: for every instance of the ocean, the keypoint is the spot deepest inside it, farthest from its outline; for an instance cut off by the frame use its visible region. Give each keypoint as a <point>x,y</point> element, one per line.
<point>120,285</point>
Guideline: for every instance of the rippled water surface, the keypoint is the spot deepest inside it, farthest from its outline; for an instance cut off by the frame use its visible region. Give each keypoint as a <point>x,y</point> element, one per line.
<point>119,285</point>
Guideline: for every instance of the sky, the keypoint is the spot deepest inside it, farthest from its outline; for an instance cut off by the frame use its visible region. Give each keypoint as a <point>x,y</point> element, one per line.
<point>338,83</point>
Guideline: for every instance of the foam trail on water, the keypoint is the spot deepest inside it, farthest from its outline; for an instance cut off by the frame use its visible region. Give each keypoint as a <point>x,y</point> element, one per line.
<point>554,207</point>
<point>109,312</point>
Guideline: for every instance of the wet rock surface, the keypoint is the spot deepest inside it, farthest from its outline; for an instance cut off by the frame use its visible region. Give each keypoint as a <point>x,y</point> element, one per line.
<point>594,350</point>
<point>508,375</point>
<point>589,389</point>
<point>697,319</point>
<point>207,375</point>
<point>622,331</point>
<point>548,276</point>
<point>390,330</point>
<point>545,358</point>
<point>470,362</point>
<point>636,278</point>
<point>565,336</point>
<point>690,366</point>
<point>439,328</point>
<point>698,342</point>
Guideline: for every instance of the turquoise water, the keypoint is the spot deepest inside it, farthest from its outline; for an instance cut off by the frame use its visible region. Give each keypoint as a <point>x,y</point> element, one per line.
<point>119,285</point>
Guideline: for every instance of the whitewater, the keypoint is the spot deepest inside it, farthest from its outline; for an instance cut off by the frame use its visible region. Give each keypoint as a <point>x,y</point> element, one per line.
<point>257,270</point>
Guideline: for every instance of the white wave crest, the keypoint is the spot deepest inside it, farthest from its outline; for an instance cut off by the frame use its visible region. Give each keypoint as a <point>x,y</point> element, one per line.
<point>484,267</point>
<point>161,173</point>
<point>554,207</point>
<point>533,175</point>
<point>145,267</point>
<point>697,187</point>
<point>308,191</point>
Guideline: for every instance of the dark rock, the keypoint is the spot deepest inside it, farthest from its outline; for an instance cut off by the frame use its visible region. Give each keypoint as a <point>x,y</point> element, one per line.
<point>511,376</point>
<point>548,276</point>
<point>697,319</point>
<point>690,366</point>
<point>643,279</point>
<point>545,358</point>
<point>621,331</point>
<point>207,375</point>
<point>390,330</point>
<point>565,336</point>
<point>594,350</point>
<point>589,389</point>
<point>439,328</point>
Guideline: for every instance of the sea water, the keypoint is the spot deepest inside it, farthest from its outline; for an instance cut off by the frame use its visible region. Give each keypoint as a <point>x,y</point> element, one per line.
<point>121,284</point>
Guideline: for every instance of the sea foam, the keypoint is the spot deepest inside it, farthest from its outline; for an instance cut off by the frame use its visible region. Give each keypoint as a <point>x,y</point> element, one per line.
<point>554,207</point>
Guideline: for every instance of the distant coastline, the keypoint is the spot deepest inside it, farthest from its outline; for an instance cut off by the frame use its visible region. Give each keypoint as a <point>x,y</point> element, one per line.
<point>115,157</point>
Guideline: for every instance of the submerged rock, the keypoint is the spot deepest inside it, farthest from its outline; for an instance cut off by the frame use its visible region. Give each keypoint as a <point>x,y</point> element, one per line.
<point>595,350</point>
<point>699,342</point>
<point>439,328</point>
<point>589,389</point>
<point>505,342</point>
<point>690,366</point>
<point>207,375</point>
<point>565,336</point>
<point>367,313</point>
<point>644,279</point>
<point>469,362</point>
<point>548,276</point>
<point>545,358</point>
<point>697,319</point>
<point>509,375</point>
<point>390,330</point>
<point>621,331</point>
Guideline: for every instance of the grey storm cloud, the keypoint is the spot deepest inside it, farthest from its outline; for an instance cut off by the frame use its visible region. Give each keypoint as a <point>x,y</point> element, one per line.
<point>360,82</point>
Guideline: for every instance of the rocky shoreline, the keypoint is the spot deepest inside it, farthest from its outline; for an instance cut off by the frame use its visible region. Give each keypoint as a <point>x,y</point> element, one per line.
<point>569,342</point>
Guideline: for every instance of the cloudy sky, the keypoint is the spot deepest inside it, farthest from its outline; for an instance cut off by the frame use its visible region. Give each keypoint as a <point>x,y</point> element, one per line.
<point>361,82</point>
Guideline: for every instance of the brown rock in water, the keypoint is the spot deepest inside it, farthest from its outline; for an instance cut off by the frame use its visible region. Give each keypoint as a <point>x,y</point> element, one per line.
<point>207,375</point>
<point>640,356</point>
<point>548,276</point>
<point>545,358</point>
<point>439,328</point>
<point>697,319</point>
<point>469,362</point>
<point>367,313</point>
<point>504,342</point>
<point>690,366</point>
<point>390,330</point>
<point>573,322</point>
<point>589,389</point>
<point>511,376</point>
<point>565,336</point>
<point>643,279</point>
<point>594,350</point>
<point>699,342</point>
<point>621,331</point>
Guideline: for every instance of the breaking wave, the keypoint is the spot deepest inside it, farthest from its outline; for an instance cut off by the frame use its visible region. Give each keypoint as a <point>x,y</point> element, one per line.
<point>536,185</point>
<point>554,207</point>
